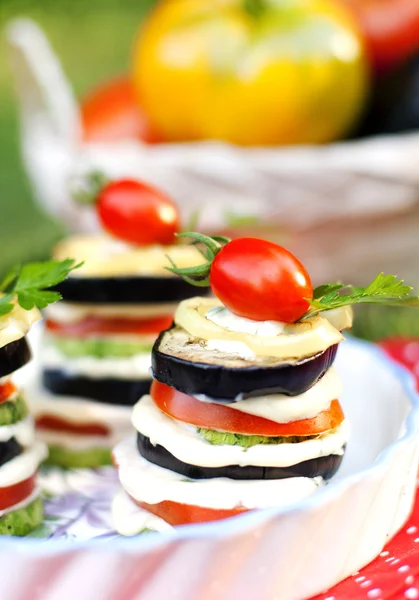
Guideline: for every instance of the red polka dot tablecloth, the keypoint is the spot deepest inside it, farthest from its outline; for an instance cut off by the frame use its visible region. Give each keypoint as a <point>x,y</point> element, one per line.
<point>394,575</point>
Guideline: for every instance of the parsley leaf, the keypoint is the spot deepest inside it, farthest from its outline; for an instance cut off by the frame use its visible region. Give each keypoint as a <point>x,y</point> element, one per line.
<point>384,289</point>
<point>30,283</point>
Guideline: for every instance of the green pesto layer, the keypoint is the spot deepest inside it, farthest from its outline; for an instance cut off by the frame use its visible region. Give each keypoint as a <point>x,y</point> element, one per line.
<point>24,520</point>
<point>78,459</point>
<point>247,441</point>
<point>13,411</point>
<point>99,347</point>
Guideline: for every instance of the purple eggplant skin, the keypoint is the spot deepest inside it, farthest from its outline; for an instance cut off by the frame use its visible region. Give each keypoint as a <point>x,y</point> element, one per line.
<point>13,356</point>
<point>121,392</point>
<point>324,466</point>
<point>125,290</point>
<point>225,384</point>
<point>9,450</point>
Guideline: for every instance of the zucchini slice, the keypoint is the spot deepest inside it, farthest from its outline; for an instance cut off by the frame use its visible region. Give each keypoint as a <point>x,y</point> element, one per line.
<point>183,362</point>
<point>109,391</point>
<point>13,356</point>
<point>324,466</point>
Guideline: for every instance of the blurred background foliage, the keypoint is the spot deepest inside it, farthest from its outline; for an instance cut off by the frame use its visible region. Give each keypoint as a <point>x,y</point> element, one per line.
<point>93,40</point>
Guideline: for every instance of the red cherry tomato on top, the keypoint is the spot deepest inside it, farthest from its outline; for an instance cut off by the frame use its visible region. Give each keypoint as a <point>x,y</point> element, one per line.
<point>390,28</point>
<point>111,113</point>
<point>138,213</point>
<point>260,280</point>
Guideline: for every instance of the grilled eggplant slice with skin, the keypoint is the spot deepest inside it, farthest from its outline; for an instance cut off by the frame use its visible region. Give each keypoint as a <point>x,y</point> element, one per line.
<point>9,450</point>
<point>13,356</point>
<point>125,290</point>
<point>186,364</point>
<point>109,391</point>
<point>324,466</point>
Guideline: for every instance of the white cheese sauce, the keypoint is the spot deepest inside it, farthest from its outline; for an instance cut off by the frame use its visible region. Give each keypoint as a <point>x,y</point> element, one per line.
<point>135,367</point>
<point>221,316</point>
<point>129,519</point>
<point>285,409</point>
<point>186,445</point>
<point>149,483</point>
<point>23,431</point>
<point>76,442</point>
<point>67,312</point>
<point>23,466</point>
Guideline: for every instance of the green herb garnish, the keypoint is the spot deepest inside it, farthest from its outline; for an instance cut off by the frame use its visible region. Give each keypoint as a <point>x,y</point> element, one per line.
<point>29,284</point>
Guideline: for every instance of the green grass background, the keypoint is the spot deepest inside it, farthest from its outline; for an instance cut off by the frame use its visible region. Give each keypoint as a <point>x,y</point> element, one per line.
<point>93,40</point>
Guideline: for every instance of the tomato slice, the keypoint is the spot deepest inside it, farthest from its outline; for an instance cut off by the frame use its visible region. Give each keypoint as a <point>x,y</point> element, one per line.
<point>222,418</point>
<point>176,513</point>
<point>7,389</point>
<point>9,496</point>
<point>98,326</point>
<point>53,423</point>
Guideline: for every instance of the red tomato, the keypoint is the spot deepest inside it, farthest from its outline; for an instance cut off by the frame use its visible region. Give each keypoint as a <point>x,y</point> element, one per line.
<point>101,326</point>
<point>9,496</point>
<point>53,423</point>
<point>390,28</point>
<point>223,418</point>
<point>175,513</point>
<point>111,113</point>
<point>6,390</point>
<point>138,213</point>
<point>261,280</point>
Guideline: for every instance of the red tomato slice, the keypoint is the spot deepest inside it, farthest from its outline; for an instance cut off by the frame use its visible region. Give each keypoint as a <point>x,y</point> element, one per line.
<point>9,496</point>
<point>111,113</point>
<point>175,513</point>
<point>101,326</point>
<point>6,390</point>
<point>53,423</point>
<point>222,418</point>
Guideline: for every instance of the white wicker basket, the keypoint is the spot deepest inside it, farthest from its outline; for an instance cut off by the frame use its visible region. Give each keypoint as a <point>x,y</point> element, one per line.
<point>348,209</point>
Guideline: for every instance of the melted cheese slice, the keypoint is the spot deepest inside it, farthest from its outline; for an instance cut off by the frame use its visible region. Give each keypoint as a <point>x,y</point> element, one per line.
<point>16,324</point>
<point>297,340</point>
<point>105,256</point>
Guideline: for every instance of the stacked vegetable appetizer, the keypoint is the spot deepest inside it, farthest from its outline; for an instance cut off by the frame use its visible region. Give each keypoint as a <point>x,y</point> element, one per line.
<point>22,292</point>
<point>244,409</point>
<point>96,354</point>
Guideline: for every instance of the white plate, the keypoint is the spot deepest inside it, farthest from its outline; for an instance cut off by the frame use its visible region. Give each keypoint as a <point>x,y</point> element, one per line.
<point>275,554</point>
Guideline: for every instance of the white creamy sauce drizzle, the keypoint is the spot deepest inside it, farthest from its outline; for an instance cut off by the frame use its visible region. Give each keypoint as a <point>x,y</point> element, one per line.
<point>23,466</point>
<point>21,504</point>
<point>80,411</point>
<point>221,316</point>
<point>72,441</point>
<point>149,483</point>
<point>23,431</point>
<point>66,312</point>
<point>186,445</point>
<point>284,409</point>
<point>129,519</point>
<point>136,367</point>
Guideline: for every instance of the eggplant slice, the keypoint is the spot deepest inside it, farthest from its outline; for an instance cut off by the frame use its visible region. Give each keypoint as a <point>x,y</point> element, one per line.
<point>121,392</point>
<point>125,290</point>
<point>186,365</point>
<point>9,450</point>
<point>13,356</point>
<point>324,466</point>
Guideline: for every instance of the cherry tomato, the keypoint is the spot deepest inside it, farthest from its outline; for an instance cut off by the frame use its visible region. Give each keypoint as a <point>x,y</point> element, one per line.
<point>111,113</point>
<point>223,418</point>
<point>6,390</point>
<point>9,496</point>
<point>138,213</point>
<point>260,280</point>
<point>390,28</point>
<point>53,423</point>
<point>100,326</point>
<point>176,513</point>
